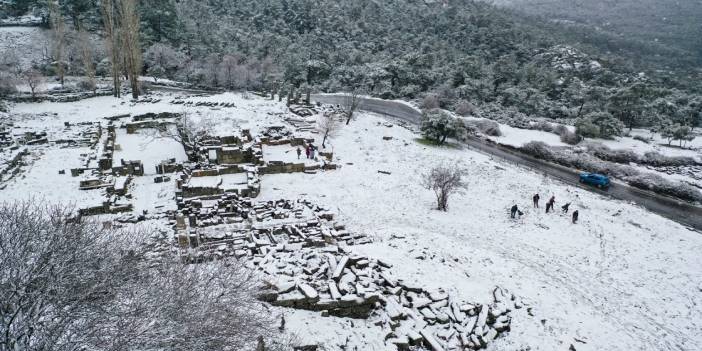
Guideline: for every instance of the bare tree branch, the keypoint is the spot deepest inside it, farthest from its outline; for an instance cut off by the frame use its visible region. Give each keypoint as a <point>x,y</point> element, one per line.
<point>444,180</point>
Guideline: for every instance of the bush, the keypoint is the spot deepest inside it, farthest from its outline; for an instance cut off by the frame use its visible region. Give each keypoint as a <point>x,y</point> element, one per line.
<point>64,277</point>
<point>7,84</point>
<point>619,156</point>
<point>488,127</point>
<point>569,137</point>
<point>642,139</point>
<point>659,160</point>
<point>538,149</point>
<point>144,87</point>
<point>543,126</point>
<point>465,108</point>
<point>586,128</point>
<point>438,125</point>
<point>86,84</point>
<point>431,101</point>
<point>658,184</point>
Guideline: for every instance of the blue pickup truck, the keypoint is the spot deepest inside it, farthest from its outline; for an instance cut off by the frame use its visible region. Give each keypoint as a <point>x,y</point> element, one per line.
<point>598,180</point>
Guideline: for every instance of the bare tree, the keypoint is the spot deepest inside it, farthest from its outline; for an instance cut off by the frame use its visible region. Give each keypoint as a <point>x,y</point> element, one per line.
<point>444,180</point>
<point>34,80</point>
<point>86,52</point>
<point>186,130</point>
<point>228,67</point>
<point>68,284</point>
<point>351,101</point>
<point>328,124</point>
<point>129,18</point>
<point>58,39</point>
<point>109,18</point>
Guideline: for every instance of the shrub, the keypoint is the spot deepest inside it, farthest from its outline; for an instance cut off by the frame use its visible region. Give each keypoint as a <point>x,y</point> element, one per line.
<point>431,101</point>
<point>7,84</point>
<point>465,108</point>
<point>543,126</point>
<point>538,149</point>
<point>488,127</point>
<point>569,137</point>
<point>438,125</point>
<point>658,184</point>
<point>642,139</point>
<point>608,125</point>
<point>659,160</point>
<point>619,156</point>
<point>86,84</point>
<point>586,128</point>
<point>63,278</point>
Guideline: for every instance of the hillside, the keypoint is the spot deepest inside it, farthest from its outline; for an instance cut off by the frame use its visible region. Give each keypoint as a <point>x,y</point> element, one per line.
<point>671,26</point>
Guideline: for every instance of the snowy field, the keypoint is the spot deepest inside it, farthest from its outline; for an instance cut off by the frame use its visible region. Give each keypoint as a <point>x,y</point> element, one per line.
<point>620,279</point>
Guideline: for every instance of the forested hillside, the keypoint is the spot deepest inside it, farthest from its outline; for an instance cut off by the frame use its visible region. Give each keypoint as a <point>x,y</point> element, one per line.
<point>671,27</point>
<point>458,51</point>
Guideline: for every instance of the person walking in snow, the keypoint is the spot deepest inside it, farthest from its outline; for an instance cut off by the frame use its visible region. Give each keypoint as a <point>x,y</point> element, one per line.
<point>307,151</point>
<point>565,207</point>
<point>513,211</point>
<point>299,152</point>
<point>549,204</point>
<point>575,216</point>
<point>536,200</point>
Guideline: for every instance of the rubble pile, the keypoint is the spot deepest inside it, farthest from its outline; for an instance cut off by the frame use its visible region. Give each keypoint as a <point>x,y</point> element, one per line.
<point>335,281</point>
<point>229,224</point>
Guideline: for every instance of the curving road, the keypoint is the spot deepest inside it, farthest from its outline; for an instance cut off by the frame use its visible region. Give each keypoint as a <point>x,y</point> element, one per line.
<point>677,210</point>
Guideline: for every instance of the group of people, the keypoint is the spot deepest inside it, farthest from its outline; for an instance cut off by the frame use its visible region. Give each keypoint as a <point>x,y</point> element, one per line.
<point>549,207</point>
<point>310,151</point>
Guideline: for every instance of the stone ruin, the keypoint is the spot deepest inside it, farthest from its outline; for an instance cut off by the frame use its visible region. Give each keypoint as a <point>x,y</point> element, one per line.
<point>335,281</point>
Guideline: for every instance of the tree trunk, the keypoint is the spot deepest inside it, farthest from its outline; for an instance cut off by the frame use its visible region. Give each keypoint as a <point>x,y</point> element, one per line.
<point>580,110</point>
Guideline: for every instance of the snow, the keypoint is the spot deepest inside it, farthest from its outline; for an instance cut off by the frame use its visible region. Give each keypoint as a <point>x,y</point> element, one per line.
<point>205,182</point>
<point>286,154</point>
<point>518,137</point>
<point>234,181</point>
<point>620,279</point>
<point>147,147</point>
<point>42,182</point>
<point>601,280</point>
<point>658,144</point>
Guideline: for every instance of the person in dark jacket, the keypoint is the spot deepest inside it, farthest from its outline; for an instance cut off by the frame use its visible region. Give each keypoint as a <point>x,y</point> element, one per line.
<point>565,207</point>
<point>299,152</point>
<point>575,216</point>
<point>307,151</point>
<point>536,200</point>
<point>513,211</point>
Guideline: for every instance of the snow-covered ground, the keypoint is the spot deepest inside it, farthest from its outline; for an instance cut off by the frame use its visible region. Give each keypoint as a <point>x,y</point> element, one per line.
<point>620,279</point>
<point>657,144</point>
<point>148,147</point>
